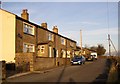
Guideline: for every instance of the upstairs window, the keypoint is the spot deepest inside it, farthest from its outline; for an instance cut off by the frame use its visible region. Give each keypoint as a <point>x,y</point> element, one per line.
<point>62,41</point>
<point>28,47</point>
<point>28,29</point>
<point>71,44</point>
<point>50,37</point>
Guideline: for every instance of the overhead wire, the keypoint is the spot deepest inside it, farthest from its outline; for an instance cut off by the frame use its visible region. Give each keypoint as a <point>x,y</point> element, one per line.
<point>109,38</point>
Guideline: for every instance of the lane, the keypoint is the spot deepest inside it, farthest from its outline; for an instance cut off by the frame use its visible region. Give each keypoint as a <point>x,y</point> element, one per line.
<point>86,73</point>
<point>77,73</point>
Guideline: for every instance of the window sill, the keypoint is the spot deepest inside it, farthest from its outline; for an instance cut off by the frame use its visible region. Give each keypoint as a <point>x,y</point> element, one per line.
<point>29,34</point>
<point>63,44</point>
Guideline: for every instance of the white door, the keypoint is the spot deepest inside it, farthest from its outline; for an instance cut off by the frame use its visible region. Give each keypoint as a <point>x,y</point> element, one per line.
<point>57,53</point>
<point>64,53</point>
<point>50,51</point>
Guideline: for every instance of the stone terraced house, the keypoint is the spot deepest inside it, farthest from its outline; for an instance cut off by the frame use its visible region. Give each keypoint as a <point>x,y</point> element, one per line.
<point>27,42</point>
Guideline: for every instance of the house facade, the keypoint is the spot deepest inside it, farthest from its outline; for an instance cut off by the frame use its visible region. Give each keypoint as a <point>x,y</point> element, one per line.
<point>19,35</point>
<point>34,38</point>
<point>7,35</point>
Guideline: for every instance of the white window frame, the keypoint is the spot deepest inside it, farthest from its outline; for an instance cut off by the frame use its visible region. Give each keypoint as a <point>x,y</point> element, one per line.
<point>68,54</point>
<point>29,29</point>
<point>42,47</point>
<point>64,54</point>
<point>28,47</point>
<point>50,37</point>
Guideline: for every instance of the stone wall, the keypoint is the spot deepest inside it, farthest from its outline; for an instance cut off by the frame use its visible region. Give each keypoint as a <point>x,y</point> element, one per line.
<point>43,63</point>
<point>25,60</point>
<point>47,63</point>
<point>29,62</point>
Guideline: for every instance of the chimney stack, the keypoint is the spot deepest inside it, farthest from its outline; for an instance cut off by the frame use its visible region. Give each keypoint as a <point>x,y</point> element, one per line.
<point>44,25</point>
<point>55,29</point>
<point>25,14</point>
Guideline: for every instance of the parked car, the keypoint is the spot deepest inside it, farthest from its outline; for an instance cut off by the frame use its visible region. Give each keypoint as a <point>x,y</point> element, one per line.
<point>90,58</point>
<point>78,60</point>
<point>94,54</point>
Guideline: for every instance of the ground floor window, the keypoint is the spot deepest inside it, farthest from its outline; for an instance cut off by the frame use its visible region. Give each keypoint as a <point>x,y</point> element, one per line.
<point>27,47</point>
<point>63,53</point>
<point>42,48</point>
<point>68,54</point>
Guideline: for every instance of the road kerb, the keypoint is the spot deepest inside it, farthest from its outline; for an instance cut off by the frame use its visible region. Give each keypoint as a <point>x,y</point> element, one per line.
<point>19,74</point>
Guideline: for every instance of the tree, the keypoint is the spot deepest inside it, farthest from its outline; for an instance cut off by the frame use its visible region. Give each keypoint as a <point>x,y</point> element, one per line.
<point>93,48</point>
<point>101,50</point>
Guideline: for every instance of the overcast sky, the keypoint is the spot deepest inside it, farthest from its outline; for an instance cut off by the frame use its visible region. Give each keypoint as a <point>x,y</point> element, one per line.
<point>91,17</point>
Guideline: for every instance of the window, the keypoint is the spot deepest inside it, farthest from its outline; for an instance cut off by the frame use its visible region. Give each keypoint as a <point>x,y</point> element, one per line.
<point>71,44</point>
<point>63,41</point>
<point>68,54</point>
<point>42,49</point>
<point>63,53</point>
<point>28,29</point>
<point>28,47</point>
<point>50,36</point>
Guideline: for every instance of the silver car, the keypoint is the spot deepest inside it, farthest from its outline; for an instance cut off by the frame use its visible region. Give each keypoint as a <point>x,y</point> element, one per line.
<point>78,60</point>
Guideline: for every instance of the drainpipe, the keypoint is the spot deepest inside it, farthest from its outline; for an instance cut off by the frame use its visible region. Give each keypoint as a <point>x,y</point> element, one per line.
<point>55,49</point>
<point>66,54</point>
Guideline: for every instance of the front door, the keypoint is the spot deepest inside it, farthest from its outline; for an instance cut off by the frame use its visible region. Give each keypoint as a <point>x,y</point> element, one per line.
<point>50,51</point>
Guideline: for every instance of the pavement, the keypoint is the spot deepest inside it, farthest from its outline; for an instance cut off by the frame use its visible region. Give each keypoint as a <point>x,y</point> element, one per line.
<point>30,72</point>
<point>39,72</point>
<point>20,74</point>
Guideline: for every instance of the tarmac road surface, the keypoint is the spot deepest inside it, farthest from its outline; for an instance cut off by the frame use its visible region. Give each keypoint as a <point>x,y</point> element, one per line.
<point>89,72</point>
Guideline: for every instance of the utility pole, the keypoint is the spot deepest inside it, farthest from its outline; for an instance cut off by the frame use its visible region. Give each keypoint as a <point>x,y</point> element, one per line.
<point>114,47</point>
<point>110,41</point>
<point>81,40</point>
<point>109,44</point>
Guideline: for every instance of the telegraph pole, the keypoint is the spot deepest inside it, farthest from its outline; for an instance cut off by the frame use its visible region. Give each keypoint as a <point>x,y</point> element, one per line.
<point>109,44</point>
<point>81,40</point>
<point>110,41</point>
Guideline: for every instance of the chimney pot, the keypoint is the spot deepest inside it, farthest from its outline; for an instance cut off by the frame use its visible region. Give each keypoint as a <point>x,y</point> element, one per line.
<point>25,10</point>
<point>55,29</point>
<point>44,25</point>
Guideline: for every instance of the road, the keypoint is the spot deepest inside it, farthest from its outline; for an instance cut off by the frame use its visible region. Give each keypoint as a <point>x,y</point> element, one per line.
<point>88,72</point>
